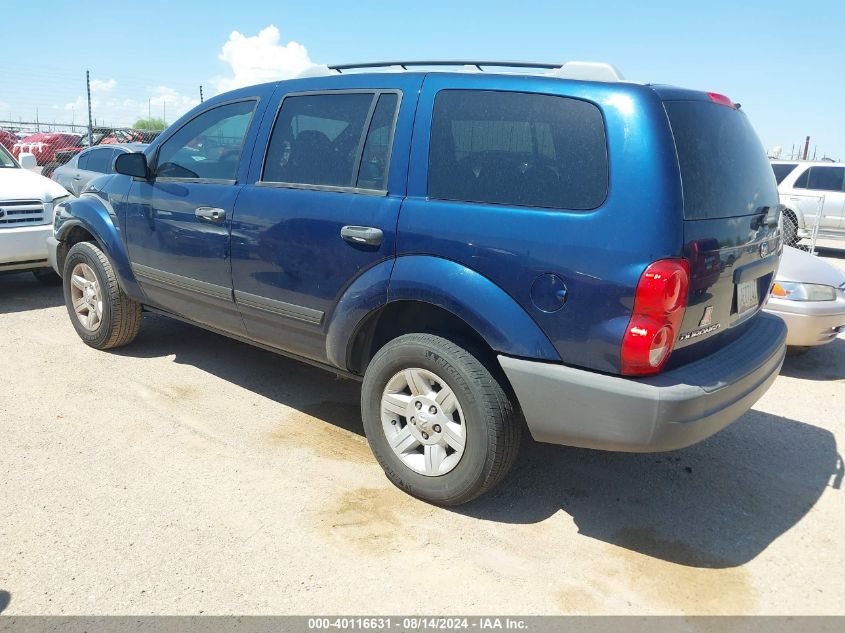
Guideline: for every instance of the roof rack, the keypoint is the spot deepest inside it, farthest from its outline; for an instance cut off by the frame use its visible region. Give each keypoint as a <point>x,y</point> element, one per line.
<point>590,71</point>
<point>448,62</point>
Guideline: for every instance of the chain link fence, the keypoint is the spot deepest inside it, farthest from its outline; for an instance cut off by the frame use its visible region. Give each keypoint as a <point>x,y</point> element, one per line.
<point>55,144</point>
<point>802,221</point>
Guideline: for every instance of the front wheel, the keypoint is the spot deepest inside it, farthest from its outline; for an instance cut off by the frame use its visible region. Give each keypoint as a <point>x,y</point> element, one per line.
<point>101,313</point>
<point>439,423</point>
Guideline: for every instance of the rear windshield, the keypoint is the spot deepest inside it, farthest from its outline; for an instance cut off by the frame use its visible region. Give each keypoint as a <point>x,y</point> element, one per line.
<point>782,170</point>
<point>724,169</point>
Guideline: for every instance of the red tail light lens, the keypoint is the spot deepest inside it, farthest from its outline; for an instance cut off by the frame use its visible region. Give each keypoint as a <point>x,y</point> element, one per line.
<point>715,97</point>
<point>659,305</point>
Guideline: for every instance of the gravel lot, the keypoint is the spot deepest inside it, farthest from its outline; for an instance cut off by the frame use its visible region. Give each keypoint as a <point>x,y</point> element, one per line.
<point>192,474</point>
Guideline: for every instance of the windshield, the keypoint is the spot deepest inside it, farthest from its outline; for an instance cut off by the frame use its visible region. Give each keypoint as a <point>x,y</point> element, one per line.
<point>6,159</point>
<point>724,169</point>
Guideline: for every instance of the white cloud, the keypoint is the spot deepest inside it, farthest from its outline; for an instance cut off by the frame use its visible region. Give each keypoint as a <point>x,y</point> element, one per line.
<point>109,108</point>
<point>260,58</point>
<point>98,86</point>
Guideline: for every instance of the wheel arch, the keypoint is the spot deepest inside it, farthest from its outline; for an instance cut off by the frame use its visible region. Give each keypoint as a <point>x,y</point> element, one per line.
<point>90,220</point>
<point>430,294</point>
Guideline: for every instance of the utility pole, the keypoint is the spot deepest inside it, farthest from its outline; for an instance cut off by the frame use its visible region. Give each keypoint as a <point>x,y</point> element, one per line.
<point>806,148</point>
<point>200,93</point>
<point>149,109</point>
<point>88,90</point>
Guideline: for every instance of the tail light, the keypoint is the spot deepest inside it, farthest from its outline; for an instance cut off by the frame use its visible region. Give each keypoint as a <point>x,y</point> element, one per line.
<point>659,305</point>
<point>715,97</point>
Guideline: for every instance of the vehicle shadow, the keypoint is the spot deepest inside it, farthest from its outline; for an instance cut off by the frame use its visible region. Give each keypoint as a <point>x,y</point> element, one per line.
<point>273,376</point>
<point>20,292</point>
<point>5,599</point>
<point>718,504</point>
<point>826,362</point>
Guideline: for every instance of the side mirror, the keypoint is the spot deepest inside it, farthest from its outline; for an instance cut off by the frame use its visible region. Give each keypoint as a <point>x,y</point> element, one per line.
<point>27,160</point>
<point>134,164</point>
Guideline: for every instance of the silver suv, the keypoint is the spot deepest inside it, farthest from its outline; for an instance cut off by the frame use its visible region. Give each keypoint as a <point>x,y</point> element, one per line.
<point>812,193</point>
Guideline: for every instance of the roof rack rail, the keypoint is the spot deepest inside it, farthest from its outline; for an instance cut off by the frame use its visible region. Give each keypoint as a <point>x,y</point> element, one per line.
<point>589,71</point>
<point>449,62</point>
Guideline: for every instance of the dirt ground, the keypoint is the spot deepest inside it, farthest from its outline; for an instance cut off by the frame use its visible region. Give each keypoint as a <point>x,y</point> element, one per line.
<point>188,474</point>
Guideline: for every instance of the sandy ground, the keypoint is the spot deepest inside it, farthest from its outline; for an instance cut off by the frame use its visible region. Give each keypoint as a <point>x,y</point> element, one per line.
<point>192,474</point>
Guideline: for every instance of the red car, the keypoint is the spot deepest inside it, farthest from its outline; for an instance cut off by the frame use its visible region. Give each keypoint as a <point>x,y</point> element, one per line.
<point>7,139</point>
<point>45,144</point>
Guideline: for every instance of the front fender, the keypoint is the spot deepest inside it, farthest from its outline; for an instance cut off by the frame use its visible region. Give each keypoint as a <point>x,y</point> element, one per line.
<point>95,214</point>
<point>495,315</point>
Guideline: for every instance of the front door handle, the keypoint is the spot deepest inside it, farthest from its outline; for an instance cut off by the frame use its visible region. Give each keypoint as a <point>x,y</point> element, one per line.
<point>362,235</point>
<point>212,214</point>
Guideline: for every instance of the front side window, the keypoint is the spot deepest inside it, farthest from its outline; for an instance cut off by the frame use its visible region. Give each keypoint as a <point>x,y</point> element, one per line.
<point>826,178</point>
<point>517,149</point>
<point>317,139</point>
<point>209,146</point>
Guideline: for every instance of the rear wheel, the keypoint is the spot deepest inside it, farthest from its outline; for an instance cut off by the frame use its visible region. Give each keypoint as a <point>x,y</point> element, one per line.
<point>437,420</point>
<point>101,313</point>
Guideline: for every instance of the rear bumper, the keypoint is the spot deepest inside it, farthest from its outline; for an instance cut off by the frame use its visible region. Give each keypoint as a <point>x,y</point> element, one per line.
<point>565,405</point>
<point>24,247</point>
<point>810,322</point>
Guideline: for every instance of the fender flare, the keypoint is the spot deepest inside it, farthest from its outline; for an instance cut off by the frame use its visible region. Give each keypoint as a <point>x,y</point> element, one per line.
<point>95,215</point>
<point>505,325</point>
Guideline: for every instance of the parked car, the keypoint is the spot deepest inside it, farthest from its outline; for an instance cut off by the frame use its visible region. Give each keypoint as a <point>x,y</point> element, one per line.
<point>91,163</point>
<point>99,136</point>
<point>515,283</point>
<point>8,139</point>
<point>811,191</point>
<point>27,201</point>
<point>43,145</point>
<point>809,294</point>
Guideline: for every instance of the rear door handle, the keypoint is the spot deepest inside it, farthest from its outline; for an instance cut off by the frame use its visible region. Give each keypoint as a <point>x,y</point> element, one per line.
<point>212,214</point>
<point>362,235</point>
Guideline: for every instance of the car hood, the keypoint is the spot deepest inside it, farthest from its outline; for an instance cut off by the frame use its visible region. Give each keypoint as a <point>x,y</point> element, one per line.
<point>22,184</point>
<point>800,266</point>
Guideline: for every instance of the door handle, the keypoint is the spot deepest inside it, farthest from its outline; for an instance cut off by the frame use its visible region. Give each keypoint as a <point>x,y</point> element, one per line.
<point>212,214</point>
<point>362,235</point>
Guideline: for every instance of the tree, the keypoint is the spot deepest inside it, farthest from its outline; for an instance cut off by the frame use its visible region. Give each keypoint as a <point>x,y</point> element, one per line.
<point>150,124</point>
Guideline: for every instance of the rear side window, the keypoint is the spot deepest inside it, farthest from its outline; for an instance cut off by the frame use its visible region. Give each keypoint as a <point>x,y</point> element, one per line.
<point>725,171</point>
<point>372,174</point>
<point>782,170</point>
<point>317,140</point>
<point>100,160</point>
<point>823,179</point>
<point>517,149</point>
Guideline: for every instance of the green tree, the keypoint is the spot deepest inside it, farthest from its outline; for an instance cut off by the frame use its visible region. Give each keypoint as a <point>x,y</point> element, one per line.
<point>150,124</point>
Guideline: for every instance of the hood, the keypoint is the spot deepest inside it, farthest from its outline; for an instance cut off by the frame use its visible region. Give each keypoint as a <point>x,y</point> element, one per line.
<point>800,266</point>
<point>22,184</point>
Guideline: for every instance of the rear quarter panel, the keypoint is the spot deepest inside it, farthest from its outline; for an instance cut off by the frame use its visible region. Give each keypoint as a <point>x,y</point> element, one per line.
<point>599,254</point>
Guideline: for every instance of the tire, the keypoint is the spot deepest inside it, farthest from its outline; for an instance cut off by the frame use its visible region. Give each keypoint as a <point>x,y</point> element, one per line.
<point>483,416</point>
<point>117,317</point>
<point>790,230</point>
<point>47,277</point>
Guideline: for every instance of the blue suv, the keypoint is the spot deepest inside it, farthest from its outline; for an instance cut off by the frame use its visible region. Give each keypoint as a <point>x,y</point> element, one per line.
<point>560,250</point>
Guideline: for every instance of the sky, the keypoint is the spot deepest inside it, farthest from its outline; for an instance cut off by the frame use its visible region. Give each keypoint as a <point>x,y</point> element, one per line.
<point>781,60</point>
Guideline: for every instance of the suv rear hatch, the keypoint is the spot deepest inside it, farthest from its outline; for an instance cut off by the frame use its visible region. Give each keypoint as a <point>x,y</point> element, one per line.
<point>731,213</point>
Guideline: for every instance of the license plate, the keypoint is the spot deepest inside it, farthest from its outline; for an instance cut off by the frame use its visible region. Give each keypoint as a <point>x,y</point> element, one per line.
<point>746,296</point>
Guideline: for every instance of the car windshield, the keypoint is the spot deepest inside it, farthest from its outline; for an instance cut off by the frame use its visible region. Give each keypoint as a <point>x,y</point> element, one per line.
<point>6,160</point>
<point>782,170</point>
